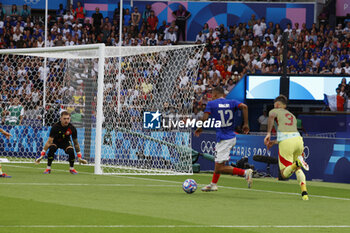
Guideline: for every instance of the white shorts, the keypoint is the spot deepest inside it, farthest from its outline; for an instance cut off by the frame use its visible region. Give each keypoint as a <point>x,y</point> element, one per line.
<point>223,149</point>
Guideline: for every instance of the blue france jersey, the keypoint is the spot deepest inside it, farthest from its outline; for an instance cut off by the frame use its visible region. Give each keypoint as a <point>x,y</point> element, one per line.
<point>223,110</point>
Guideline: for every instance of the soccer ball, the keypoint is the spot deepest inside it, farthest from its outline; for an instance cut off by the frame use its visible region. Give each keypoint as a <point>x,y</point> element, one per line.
<point>189,186</point>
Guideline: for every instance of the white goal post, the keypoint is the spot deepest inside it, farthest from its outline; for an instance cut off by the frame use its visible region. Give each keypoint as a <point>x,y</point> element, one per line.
<point>108,91</point>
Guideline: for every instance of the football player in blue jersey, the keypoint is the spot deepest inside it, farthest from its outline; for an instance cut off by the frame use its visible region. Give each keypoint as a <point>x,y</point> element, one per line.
<point>223,110</point>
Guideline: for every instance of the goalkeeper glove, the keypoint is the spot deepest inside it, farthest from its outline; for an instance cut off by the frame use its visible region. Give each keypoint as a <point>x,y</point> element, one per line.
<point>81,161</point>
<point>42,154</point>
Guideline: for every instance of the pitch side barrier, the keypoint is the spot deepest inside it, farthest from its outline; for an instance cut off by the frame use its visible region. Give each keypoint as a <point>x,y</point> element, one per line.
<point>329,158</point>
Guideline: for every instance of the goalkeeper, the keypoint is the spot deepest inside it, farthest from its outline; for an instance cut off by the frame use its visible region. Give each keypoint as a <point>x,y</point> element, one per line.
<point>60,137</point>
<point>7,135</point>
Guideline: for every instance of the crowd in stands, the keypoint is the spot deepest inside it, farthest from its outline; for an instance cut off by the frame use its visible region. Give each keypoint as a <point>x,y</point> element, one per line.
<point>231,50</point>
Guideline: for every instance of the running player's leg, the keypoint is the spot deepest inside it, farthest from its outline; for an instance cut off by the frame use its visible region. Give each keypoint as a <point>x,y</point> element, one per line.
<point>299,172</point>
<point>50,157</point>
<point>285,157</point>
<point>223,149</point>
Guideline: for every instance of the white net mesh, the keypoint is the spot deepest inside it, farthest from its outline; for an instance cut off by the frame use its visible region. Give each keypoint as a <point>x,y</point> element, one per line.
<point>152,79</point>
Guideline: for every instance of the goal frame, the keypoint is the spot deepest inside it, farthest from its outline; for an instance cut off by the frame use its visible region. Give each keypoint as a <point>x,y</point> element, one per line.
<point>98,52</point>
<point>100,85</point>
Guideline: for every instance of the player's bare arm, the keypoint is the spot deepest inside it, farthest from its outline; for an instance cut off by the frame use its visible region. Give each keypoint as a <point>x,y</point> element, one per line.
<point>6,134</point>
<point>244,109</point>
<point>48,143</point>
<point>199,130</point>
<point>76,145</point>
<point>270,122</point>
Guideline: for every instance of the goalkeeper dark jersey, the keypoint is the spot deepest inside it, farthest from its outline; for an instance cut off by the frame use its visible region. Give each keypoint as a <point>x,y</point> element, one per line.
<point>62,134</point>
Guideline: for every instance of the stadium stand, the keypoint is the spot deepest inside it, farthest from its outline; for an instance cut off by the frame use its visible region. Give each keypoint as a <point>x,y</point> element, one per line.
<point>231,50</point>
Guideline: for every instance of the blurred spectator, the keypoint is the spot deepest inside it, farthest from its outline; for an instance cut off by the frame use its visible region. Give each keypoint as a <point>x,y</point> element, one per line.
<point>60,12</point>
<point>152,40</point>
<point>14,113</point>
<point>323,16</point>
<point>181,15</point>
<point>263,121</point>
<point>340,100</point>
<point>200,37</point>
<point>2,12</point>
<point>72,11</point>
<point>14,12</point>
<point>347,19</point>
<point>153,22</point>
<point>17,35</point>
<point>135,17</point>
<point>68,18</point>
<point>97,21</point>
<point>230,84</point>
<point>80,12</point>
<point>197,114</point>
<point>32,115</point>
<point>205,29</point>
<point>77,115</point>
<point>146,13</point>
<point>25,12</point>
<point>252,22</point>
<point>170,35</point>
<point>127,17</point>
<point>116,14</point>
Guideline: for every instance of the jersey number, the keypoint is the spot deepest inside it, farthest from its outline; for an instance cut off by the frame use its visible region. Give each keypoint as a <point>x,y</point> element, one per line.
<point>290,118</point>
<point>228,112</point>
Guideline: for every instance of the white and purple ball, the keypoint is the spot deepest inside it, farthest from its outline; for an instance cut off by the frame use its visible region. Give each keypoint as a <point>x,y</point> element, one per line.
<point>189,186</point>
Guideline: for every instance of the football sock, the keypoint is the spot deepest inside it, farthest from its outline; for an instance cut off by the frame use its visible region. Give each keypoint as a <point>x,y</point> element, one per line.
<point>49,162</point>
<point>302,180</point>
<point>48,167</point>
<point>50,156</point>
<point>238,171</point>
<point>71,168</point>
<point>216,177</point>
<point>288,171</point>
<point>0,170</point>
<point>71,155</point>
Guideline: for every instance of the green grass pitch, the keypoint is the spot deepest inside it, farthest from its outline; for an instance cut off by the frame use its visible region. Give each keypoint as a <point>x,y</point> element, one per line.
<point>60,202</point>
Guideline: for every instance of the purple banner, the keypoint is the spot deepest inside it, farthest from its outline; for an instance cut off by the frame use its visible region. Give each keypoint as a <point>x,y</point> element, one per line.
<point>343,7</point>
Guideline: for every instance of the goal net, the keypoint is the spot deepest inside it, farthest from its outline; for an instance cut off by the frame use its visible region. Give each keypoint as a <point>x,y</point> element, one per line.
<point>126,103</point>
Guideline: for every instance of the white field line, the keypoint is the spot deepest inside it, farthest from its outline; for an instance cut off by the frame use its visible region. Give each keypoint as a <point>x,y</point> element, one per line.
<point>173,226</point>
<point>77,184</point>
<point>179,183</point>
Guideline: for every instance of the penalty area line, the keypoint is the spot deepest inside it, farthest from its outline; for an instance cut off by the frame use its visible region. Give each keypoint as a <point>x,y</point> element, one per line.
<point>172,226</point>
<point>77,184</point>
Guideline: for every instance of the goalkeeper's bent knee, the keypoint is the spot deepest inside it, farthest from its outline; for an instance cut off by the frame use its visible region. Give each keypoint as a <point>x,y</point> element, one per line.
<point>51,153</point>
<point>70,153</point>
<point>52,150</point>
